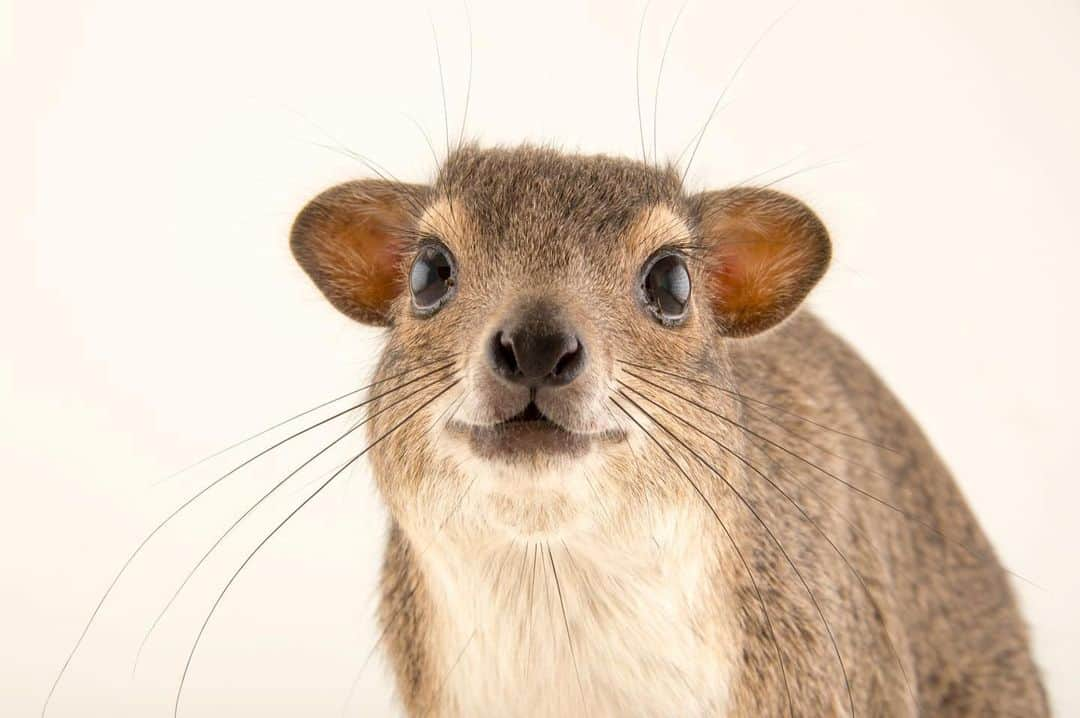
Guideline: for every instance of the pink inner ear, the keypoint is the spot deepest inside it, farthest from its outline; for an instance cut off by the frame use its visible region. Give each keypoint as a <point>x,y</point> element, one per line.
<point>370,248</point>
<point>745,276</point>
<point>763,263</point>
<point>351,241</point>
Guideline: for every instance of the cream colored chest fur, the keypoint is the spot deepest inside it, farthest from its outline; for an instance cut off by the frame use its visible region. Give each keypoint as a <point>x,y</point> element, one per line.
<point>562,628</point>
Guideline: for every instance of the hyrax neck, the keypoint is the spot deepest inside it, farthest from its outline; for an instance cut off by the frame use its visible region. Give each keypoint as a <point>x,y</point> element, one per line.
<point>578,623</point>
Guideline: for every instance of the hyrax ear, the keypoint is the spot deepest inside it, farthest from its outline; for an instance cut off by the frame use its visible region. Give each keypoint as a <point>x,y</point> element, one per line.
<point>766,251</point>
<point>351,241</point>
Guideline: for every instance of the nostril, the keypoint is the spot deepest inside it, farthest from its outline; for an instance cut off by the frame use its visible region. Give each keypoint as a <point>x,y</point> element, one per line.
<point>502,354</point>
<point>570,363</point>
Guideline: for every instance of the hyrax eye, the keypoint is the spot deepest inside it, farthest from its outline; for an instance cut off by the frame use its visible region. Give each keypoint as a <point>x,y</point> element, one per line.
<point>665,287</point>
<point>432,277</point>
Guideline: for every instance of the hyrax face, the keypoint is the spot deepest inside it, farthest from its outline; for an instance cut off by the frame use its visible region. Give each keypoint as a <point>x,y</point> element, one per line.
<point>518,289</point>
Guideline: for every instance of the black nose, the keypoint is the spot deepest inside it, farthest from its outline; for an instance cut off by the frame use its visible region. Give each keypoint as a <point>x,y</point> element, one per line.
<point>536,354</point>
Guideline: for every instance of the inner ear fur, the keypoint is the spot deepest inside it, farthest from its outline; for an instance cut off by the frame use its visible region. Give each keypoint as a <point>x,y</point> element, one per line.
<point>352,239</point>
<point>766,251</point>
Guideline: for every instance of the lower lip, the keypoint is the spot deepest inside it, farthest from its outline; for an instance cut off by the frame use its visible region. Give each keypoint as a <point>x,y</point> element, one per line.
<point>514,441</point>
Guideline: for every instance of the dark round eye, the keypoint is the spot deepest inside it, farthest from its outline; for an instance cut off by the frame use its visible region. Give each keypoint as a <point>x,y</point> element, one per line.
<point>665,287</point>
<point>432,277</point>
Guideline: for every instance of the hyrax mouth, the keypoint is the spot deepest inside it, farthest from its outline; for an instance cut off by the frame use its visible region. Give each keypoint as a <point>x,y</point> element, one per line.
<point>531,412</point>
<point>527,434</point>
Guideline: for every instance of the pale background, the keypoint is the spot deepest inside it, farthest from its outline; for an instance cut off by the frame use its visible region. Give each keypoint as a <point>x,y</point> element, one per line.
<point>153,155</point>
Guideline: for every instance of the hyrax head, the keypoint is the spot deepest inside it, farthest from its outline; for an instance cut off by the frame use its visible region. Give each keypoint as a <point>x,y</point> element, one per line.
<point>531,279</point>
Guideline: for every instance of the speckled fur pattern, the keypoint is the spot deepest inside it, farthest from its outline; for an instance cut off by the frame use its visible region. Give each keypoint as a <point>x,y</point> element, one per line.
<point>687,570</point>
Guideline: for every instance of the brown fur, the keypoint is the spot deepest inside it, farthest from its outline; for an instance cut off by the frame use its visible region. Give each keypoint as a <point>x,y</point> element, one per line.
<point>922,614</point>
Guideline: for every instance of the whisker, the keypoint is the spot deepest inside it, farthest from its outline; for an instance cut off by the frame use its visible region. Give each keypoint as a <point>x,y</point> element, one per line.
<point>659,76</point>
<point>633,451</point>
<point>464,396</point>
<point>408,192</point>
<point>694,138</point>
<point>453,666</point>
<point>596,497</point>
<point>862,492</point>
<point>759,402</point>
<point>442,85</point>
<point>278,527</point>
<point>456,403</point>
<point>340,148</point>
<point>731,80</point>
<point>773,538</point>
<point>381,171</point>
<point>861,535</point>
<point>507,555</point>
<point>566,624</point>
<point>814,445</point>
<point>758,175</point>
<point>160,526</point>
<point>798,507</point>
<point>637,81</point>
<point>524,562</point>
<point>734,545</point>
<point>532,596</point>
<point>446,113</point>
<point>583,576</point>
<point>268,494</point>
<point>406,597</point>
<point>468,82</point>
<point>796,173</point>
<point>283,422</point>
<point>426,136</point>
<point>254,436</point>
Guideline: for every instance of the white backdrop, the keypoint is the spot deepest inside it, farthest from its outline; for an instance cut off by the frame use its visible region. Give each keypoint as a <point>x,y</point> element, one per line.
<point>155,153</point>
